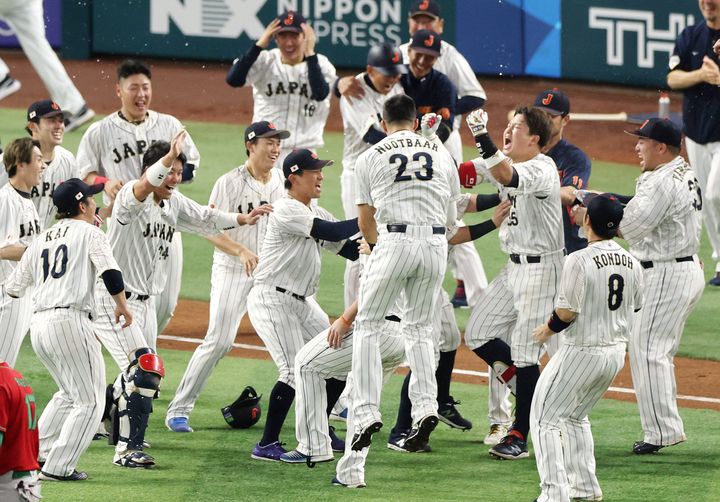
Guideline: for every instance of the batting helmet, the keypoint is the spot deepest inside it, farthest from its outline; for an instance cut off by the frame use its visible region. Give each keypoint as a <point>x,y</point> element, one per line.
<point>245,411</point>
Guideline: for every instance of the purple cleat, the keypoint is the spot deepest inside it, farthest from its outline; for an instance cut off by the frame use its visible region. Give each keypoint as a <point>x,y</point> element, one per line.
<point>270,453</point>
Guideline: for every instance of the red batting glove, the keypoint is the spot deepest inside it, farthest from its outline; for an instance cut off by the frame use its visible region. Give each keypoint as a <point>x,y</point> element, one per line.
<point>467,174</point>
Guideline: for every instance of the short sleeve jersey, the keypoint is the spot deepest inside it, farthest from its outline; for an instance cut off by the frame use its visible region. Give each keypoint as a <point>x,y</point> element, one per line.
<point>18,423</point>
<point>19,223</point>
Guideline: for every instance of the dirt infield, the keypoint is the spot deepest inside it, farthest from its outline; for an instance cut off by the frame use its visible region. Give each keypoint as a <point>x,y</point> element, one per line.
<point>197,91</point>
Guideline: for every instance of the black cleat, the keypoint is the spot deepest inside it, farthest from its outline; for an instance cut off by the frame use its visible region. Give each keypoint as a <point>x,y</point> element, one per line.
<point>511,447</point>
<point>448,414</point>
<point>643,448</point>
<point>364,438</point>
<point>74,476</point>
<point>419,436</point>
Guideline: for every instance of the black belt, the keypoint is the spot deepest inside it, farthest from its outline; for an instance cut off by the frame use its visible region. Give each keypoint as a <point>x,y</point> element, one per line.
<point>392,318</point>
<point>294,295</point>
<point>515,258</point>
<point>141,298</point>
<point>401,228</point>
<point>68,307</point>
<point>649,264</point>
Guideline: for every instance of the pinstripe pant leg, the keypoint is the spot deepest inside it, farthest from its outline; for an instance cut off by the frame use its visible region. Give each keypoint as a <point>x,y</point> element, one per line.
<point>118,341</point>
<point>166,301</point>
<point>15,316</point>
<point>228,299</point>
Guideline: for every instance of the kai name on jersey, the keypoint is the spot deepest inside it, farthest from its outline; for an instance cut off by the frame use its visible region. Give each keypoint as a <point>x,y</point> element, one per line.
<point>159,230</point>
<point>51,235</point>
<point>405,143</point>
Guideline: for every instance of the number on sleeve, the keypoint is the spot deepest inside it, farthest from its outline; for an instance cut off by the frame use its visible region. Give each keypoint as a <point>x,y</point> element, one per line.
<point>616,284</point>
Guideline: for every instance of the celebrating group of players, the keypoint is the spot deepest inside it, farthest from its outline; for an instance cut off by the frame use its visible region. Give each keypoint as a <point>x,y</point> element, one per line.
<point>70,284</point>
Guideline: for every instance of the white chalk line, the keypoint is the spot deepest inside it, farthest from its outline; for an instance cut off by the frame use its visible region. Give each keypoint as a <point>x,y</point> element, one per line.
<point>261,348</point>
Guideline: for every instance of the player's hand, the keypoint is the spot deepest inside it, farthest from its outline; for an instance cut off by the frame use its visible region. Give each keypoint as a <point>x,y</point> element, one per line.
<point>429,124</point>
<point>310,39</point>
<point>363,247</point>
<point>177,145</point>
<point>709,71</point>
<point>255,215</point>
<point>267,36</point>
<point>112,187</point>
<point>261,210</point>
<point>501,212</point>
<point>477,122</point>
<point>336,333</point>
<point>468,174</point>
<point>249,261</point>
<point>578,214</point>
<point>350,88</point>
<point>542,333</point>
<point>716,47</point>
<point>123,311</point>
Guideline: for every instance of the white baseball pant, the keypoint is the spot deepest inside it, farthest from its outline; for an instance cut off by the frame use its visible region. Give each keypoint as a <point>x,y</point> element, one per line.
<point>166,301</point>
<point>64,341</point>
<point>705,161</point>
<point>15,314</point>
<point>352,268</point>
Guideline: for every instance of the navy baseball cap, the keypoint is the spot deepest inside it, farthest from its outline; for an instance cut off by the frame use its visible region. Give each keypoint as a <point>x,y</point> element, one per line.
<point>425,8</point>
<point>303,160</point>
<point>386,58</point>
<point>553,101</point>
<point>426,41</point>
<point>264,129</point>
<point>660,130</point>
<point>44,109</point>
<point>70,192</point>
<point>291,21</point>
<point>605,212</point>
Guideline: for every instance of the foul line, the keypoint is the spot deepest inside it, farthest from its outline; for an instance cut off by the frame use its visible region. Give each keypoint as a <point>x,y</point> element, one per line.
<point>260,348</point>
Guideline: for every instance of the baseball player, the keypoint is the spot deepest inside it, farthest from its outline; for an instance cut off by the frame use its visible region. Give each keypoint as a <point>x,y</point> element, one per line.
<point>19,225</point>
<point>693,67</point>
<point>112,149</point>
<point>600,289</point>
<point>406,187</point>
<point>288,273</point>
<point>27,20</point>
<point>500,327</point>
<point>244,188</point>
<point>361,128</point>
<point>62,265</point>
<point>18,438</point>
<point>291,83</point>
<point>662,224</point>
<point>146,214</point>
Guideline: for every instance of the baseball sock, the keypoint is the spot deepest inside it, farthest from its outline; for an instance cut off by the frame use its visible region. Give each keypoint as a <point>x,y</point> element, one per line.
<point>404,416</point>
<point>495,350</point>
<point>334,388</point>
<point>443,375</point>
<point>281,398</point>
<point>526,380</point>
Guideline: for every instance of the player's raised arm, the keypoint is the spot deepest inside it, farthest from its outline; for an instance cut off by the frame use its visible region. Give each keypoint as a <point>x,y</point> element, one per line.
<point>155,174</point>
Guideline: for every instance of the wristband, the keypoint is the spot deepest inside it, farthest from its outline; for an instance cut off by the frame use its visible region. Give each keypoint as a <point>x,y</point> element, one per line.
<point>556,324</point>
<point>344,321</point>
<point>485,146</point>
<point>156,173</point>
<point>494,159</point>
<point>100,179</point>
<point>477,231</point>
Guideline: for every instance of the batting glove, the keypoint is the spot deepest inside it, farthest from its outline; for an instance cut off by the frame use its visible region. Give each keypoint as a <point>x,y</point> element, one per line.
<point>477,121</point>
<point>429,125</point>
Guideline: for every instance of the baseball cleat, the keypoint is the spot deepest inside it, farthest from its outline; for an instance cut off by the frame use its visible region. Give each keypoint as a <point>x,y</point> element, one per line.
<point>364,438</point>
<point>396,442</point>
<point>73,476</point>
<point>459,300</point>
<point>715,281</point>
<point>296,457</point>
<point>449,415</point>
<point>337,444</point>
<point>511,447</point>
<point>9,86</point>
<point>178,424</point>
<point>337,482</point>
<point>418,437</point>
<point>78,119</point>
<point>134,459</point>
<point>497,432</point>
<point>643,448</point>
<point>269,453</point>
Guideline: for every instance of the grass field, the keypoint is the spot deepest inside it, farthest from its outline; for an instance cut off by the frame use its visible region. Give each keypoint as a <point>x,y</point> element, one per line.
<point>214,463</point>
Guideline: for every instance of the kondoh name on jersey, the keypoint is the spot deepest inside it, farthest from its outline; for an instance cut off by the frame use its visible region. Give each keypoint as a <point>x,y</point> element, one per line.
<point>405,143</point>
<point>607,259</point>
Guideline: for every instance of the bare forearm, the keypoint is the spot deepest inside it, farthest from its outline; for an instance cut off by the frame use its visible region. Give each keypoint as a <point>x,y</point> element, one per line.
<point>13,252</point>
<point>680,79</point>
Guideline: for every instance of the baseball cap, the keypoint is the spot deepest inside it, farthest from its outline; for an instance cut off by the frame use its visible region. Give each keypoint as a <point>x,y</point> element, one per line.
<point>70,192</point>
<point>386,58</point>
<point>553,101</point>
<point>44,109</point>
<point>425,8</point>
<point>264,129</point>
<point>291,21</point>
<point>302,159</point>
<point>426,41</point>
<point>661,130</point>
<point>605,212</point>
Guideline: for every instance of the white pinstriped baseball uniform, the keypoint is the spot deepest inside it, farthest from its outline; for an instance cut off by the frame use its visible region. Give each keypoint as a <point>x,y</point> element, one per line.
<point>602,284</point>
<point>355,116</point>
<point>662,223</point>
<point>521,295</point>
<point>238,191</point>
<point>409,181</point>
<point>62,264</point>
<point>19,224</point>
<point>281,95</point>
<point>114,148</point>
<point>141,235</point>
<point>289,260</point>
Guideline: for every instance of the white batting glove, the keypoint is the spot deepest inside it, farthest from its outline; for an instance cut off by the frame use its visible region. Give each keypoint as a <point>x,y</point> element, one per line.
<point>429,125</point>
<point>477,121</point>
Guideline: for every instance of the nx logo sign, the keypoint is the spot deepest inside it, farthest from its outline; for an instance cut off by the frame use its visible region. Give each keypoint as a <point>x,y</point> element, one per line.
<point>207,18</point>
<point>618,23</point>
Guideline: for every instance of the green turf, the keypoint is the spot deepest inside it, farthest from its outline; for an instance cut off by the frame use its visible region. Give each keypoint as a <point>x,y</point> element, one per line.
<point>213,464</point>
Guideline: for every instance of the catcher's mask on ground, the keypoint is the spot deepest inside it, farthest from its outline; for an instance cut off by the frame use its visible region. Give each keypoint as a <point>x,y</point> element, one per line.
<point>245,411</point>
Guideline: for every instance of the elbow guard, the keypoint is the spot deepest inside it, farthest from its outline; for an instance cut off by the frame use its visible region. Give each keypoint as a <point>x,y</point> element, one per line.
<point>113,280</point>
<point>334,231</point>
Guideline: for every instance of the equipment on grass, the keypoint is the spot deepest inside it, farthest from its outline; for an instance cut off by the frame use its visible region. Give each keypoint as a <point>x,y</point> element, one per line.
<point>245,411</point>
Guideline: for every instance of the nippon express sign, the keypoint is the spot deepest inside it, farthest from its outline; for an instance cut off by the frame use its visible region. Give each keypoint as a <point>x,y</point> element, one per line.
<point>224,29</point>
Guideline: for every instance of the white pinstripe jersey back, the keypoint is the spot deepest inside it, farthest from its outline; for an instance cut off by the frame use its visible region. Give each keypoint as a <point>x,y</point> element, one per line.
<point>19,224</point>
<point>63,264</point>
<point>407,179</point>
<point>290,257</point>
<point>238,192</point>
<point>603,285</point>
